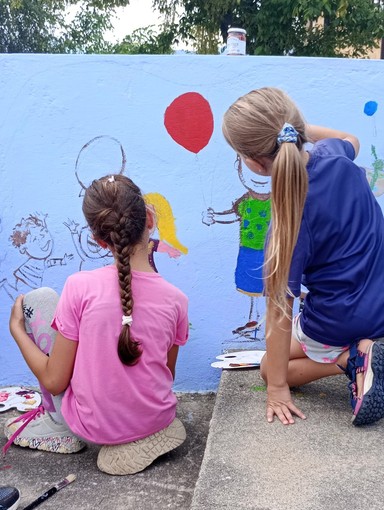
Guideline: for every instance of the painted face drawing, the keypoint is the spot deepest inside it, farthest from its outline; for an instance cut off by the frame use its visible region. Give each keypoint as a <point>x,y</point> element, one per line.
<point>90,247</point>
<point>33,240</point>
<point>32,237</point>
<point>256,184</point>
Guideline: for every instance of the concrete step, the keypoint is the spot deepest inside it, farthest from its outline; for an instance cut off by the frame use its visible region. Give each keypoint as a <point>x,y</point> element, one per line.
<point>323,463</point>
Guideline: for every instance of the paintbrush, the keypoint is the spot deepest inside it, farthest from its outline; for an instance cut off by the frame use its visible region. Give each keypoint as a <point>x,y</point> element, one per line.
<point>50,492</point>
<point>244,364</point>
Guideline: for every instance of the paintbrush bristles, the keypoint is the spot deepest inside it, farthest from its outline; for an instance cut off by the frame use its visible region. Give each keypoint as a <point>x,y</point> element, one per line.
<point>70,478</point>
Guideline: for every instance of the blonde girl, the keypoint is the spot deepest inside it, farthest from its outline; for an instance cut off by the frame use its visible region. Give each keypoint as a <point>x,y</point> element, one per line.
<point>327,232</point>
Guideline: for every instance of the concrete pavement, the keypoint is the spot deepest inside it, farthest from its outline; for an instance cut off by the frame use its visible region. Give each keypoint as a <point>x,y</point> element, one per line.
<point>168,483</point>
<point>323,463</point>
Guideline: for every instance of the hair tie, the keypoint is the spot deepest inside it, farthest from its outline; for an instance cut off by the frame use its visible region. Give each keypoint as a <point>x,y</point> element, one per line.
<point>287,134</point>
<point>111,179</point>
<point>126,320</point>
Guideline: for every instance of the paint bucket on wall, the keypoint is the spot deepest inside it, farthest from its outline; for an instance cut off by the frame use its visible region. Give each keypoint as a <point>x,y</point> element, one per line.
<point>236,41</point>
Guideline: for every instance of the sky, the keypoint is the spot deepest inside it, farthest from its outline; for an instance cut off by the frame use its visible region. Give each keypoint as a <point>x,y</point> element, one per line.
<point>138,14</point>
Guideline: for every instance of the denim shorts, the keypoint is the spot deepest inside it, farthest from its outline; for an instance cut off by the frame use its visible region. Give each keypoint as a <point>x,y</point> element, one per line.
<point>322,353</point>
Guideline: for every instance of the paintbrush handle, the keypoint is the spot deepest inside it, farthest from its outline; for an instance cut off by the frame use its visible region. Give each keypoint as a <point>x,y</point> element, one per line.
<point>244,364</point>
<point>42,498</point>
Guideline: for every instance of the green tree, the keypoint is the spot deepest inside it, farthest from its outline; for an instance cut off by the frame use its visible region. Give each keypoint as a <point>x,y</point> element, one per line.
<point>281,27</point>
<point>42,26</point>
<point>146,40</point>
<point>28,26</point>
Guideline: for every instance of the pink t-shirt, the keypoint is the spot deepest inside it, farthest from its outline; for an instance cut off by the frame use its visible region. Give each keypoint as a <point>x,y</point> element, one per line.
<point>107,402</point>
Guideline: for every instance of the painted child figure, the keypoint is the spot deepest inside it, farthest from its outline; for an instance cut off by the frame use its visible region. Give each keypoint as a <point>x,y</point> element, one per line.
<point>327,232</point>
<point>33,239</point>
<point>253,212</point>
<point>119,329</point>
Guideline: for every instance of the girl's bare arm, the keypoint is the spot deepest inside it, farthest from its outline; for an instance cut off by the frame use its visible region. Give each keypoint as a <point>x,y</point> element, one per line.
<point>54,372</point>
<point>172,358</point>
<point>316,133</point>
<point>279,332</point>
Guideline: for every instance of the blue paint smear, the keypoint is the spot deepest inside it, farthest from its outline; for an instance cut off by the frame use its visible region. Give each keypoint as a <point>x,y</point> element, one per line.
<point>370,108</point>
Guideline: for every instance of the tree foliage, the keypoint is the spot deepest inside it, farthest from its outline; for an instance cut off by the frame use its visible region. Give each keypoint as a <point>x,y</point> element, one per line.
<point>145,40</point>
<point>42,26</point>
<point>274,27</point>
<point>280,27</point>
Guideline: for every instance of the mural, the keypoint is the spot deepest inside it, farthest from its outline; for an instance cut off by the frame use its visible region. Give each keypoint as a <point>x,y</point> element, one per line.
<point>91,254</point>
<point>253,213</point>
<point>189,121</point>
<point>101,155</point>
<point>166,240</point>
<point>164,114</point>
<point>98,157</point>
<point>375,174</point>
<point>34,241</point>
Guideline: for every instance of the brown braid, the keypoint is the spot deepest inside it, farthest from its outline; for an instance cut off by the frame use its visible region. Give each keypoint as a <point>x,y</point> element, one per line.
<point>115,212</point>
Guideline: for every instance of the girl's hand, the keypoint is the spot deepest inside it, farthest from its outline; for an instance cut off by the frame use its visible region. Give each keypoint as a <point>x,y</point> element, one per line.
<point>280,403</point>
<point>16,320</point>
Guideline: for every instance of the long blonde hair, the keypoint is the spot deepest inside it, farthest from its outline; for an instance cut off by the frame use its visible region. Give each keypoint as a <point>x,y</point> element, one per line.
<point>251,126</point>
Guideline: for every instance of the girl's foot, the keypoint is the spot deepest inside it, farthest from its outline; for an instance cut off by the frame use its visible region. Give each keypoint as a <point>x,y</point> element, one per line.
<point>9,498</point>
<point>362,348</point>
<point>366,371</point>
<point>36,429</point>
<point>130,458</point>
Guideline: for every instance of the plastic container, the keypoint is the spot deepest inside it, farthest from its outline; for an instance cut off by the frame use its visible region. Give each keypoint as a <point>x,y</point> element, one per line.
<point>236,41</point>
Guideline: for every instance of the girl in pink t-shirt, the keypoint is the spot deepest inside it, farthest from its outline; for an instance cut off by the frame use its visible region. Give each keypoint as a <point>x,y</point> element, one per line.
<point>105,351</point>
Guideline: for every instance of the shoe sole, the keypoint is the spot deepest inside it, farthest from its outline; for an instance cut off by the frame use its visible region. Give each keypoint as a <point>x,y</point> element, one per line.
<point>48,443</point>
<point>372,406</point>
<point>15,505</point>
<point>54,445</point>
<point>65,444</point>
<point>131,458</point>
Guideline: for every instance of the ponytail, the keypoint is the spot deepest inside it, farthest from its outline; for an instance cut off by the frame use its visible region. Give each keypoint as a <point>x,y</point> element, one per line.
<point>289,190</point>
<point>253,126</point>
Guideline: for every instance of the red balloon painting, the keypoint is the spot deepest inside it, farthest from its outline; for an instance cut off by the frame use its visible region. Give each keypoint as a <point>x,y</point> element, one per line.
<point>189,121</point>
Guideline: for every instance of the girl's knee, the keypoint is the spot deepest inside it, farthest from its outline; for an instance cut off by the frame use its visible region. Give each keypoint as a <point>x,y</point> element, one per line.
<point>42,291</point>
<point>263,368</point>
<point>40,295</point>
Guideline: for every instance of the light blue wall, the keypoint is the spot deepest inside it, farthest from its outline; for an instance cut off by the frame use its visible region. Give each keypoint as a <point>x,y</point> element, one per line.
<point>51,106</point>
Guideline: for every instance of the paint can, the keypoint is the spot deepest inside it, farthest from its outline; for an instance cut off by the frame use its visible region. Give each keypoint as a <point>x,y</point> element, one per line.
<point>236,41</point>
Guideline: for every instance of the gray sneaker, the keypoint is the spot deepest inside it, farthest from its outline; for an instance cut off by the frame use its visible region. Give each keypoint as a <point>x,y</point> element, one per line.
<point>36,429</point>
<point>130,458</point>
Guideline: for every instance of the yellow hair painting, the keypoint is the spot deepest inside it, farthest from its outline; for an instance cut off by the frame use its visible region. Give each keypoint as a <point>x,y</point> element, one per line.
<point>165,220</point>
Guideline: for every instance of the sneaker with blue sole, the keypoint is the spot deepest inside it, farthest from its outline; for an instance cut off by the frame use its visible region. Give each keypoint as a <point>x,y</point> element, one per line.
<point>369,407</point>
<point>9,498</point>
